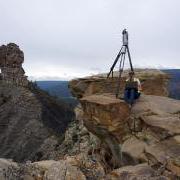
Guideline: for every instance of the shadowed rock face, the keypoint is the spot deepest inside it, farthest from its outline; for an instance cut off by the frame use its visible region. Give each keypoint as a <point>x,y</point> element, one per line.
<point>32,124</point>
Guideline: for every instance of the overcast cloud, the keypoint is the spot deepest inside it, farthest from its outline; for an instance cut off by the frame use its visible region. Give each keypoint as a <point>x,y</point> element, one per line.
<point>62,39</point>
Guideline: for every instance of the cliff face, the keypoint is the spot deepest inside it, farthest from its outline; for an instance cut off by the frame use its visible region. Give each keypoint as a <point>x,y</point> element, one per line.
<point>32,123</point>
<point>149,132</point>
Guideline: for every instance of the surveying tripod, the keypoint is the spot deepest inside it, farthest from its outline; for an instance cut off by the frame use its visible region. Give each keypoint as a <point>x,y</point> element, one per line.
<point>121,55</point>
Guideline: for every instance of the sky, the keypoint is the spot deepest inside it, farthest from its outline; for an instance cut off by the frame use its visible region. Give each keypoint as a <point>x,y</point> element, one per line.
<point>64,39</point>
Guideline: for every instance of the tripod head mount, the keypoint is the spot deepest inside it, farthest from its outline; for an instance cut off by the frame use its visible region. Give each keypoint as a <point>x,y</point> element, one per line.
<point>125,37</point>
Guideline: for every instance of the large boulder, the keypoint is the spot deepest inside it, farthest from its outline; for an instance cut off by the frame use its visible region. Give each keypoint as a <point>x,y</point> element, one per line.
<point>106,117</point>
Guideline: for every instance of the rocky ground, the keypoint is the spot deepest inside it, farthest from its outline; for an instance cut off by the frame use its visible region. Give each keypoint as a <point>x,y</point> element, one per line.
<point>110,140</point>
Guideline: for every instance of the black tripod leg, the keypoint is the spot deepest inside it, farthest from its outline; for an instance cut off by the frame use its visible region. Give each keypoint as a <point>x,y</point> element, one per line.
<point>119,78</point>
<point>114,64</point>
<point>121,67</point>
<point>129,56</point>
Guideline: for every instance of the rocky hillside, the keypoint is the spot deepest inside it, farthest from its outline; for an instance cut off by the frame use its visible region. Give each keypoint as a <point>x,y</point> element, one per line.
<point>31,123</point>
<point>110,140</point>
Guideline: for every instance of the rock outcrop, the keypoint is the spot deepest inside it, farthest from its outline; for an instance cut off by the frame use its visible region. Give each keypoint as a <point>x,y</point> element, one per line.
<point>106,117</point>
<point>147,133</point>
<point>100,84</point>
<point>11,59</point>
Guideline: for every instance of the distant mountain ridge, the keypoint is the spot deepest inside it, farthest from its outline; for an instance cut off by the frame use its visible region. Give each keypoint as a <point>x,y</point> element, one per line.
<point>55,88</point>
<point>58,89</point>
<point>174,83</point>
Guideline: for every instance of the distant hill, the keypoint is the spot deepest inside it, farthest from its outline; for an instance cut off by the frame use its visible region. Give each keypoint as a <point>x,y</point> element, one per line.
<point>174,83</point>
<point>59,89</point>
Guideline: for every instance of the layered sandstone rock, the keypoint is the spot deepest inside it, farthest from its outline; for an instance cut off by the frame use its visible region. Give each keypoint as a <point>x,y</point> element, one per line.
<point>154,82</point>
<point>149,132</point>
<point>106,117</point>
<point>11,59</point>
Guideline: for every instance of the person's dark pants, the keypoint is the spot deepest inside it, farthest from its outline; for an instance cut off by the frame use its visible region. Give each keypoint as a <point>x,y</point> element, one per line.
<point>130,95</point>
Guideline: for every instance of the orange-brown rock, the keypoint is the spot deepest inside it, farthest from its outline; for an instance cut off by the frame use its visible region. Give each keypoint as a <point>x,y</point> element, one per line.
<point>106,117</point>
<point>106,112</point>
<point>154,82</point>
<point>147,132</point>
<point>11,59</point>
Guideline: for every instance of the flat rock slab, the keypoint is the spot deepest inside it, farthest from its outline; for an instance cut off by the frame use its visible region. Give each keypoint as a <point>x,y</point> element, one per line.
<point>160,112</point>
<point>138,172</point>
<point>167,153</point>
<point>103,99</point>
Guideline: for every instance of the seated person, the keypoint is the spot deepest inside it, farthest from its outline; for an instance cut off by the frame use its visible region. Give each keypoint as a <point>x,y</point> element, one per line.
<point>132,89</point>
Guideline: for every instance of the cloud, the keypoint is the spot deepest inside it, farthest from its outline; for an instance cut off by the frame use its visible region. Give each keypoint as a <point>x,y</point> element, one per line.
<point>66,36</point>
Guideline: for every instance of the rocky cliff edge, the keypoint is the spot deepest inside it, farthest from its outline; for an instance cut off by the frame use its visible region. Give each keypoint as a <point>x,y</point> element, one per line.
<point>112,141</point>
<point>147,133</point>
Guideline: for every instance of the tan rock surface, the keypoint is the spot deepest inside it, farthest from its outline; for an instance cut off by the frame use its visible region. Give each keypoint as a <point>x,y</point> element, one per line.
<point>106,117</point>
<point>6,169</point>
<point>159,113</point>
<point>166,152</point>
<point>62,170</point>
<point>138,172</point>
<point>99,84</point>
<point>107,112</point>
<point>134,147</point>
